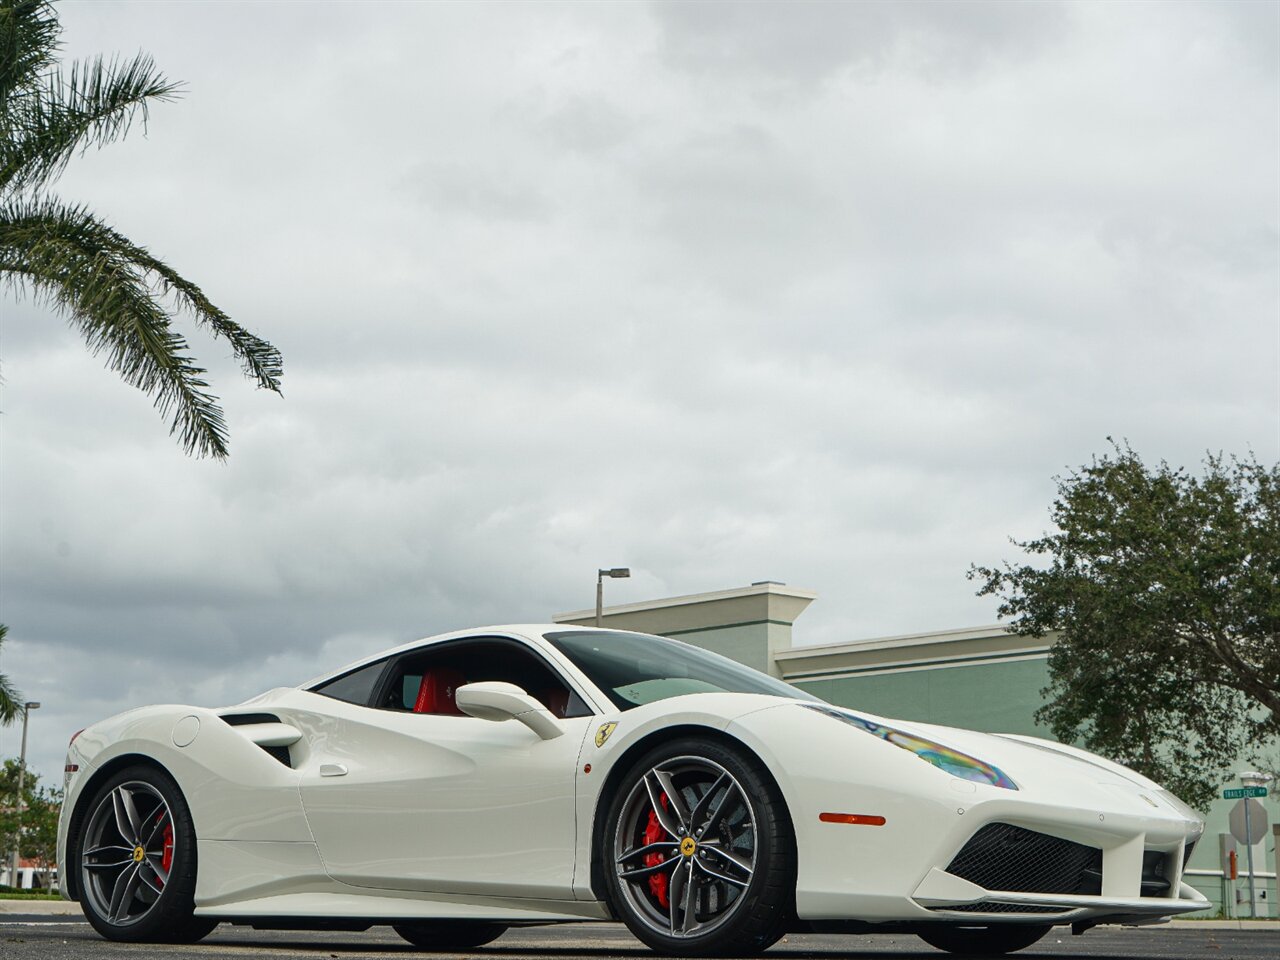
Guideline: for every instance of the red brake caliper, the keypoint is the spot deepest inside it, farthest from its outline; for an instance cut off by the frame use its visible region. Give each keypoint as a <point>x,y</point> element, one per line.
<point>166,858</point>
<point>653,833</point>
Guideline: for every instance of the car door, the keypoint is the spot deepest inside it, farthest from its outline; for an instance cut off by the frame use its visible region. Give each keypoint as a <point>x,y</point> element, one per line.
<point>433,800</point>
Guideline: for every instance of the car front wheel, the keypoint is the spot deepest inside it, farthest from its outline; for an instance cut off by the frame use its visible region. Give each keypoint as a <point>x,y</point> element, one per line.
<point>698,851</point>
<point>136,860</point>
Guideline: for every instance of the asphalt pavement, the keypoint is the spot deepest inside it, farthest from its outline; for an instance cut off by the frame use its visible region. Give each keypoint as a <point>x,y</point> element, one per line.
<point>69,938</point>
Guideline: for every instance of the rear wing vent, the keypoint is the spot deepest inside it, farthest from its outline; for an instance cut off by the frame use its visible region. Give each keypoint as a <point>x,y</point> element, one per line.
<point>267,731</point>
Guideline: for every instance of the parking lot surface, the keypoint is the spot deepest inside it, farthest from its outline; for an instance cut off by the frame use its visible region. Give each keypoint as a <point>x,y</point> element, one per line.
<point>68,938</point>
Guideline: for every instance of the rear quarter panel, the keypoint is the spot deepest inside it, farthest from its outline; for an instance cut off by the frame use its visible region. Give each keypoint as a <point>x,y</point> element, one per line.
<point>235,790</point>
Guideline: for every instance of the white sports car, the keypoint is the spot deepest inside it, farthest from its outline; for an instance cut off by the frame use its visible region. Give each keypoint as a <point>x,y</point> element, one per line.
<point>458,786</point>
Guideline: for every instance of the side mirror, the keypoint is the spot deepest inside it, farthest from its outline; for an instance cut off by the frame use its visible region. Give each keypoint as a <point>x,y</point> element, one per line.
<point>494,700</point>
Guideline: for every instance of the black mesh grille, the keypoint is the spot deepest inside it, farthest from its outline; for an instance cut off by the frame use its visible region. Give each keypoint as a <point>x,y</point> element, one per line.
<point>281,754</point>
<point>1004,908</point>
<point>1001,856</point>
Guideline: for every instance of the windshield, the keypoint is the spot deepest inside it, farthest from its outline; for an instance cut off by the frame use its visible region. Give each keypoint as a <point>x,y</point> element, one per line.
<point>633,669</point>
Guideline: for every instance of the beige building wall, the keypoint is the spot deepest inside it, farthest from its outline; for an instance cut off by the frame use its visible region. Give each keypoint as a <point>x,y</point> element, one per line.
<point>749,624</point>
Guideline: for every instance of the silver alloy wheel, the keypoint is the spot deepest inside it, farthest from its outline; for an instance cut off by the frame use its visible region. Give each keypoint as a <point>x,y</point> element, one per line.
<point>123,853</point>
<point>707,851</point>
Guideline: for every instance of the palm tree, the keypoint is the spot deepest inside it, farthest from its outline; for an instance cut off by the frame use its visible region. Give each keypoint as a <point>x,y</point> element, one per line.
<point>119,296</point>
<point>9,697</point>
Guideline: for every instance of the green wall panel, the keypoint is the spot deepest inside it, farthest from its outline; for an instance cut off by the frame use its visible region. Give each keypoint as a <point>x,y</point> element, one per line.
<point>746,643</point>
<point>998,697</point>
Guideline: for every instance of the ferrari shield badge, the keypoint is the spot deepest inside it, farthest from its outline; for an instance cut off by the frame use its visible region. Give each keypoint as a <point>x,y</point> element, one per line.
<point>603,733</point>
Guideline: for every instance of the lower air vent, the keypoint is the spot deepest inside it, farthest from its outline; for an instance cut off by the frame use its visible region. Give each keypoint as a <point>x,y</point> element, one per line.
<point>1155,874</point>
<point>1001,856</point>
<point>281,754</point>
<point>1004,908</point>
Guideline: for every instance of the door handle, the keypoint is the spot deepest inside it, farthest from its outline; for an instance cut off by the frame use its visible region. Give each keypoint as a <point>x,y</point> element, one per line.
<point>333,770</point>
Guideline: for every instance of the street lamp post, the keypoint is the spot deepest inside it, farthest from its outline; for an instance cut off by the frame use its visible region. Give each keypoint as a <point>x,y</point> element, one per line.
<point>600,575</point>
<point>22,776</point>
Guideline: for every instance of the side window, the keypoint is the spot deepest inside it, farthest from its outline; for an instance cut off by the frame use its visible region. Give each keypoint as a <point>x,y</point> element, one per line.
<point>354,687</point>
<point>426,682</point>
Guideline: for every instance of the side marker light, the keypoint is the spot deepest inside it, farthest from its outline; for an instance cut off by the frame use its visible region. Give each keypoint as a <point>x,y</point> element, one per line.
<point>860,819</point>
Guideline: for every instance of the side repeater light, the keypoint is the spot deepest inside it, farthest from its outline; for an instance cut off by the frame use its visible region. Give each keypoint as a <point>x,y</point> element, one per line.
<point>950,761</point>
<point>859,819</point>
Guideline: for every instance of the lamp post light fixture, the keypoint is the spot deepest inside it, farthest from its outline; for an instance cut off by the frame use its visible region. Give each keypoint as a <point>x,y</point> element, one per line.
<point>600,575</point>
<point>22,776</point>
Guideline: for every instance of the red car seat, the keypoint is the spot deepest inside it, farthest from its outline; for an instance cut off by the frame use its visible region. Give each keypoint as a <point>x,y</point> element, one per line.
<point>437,690</point>
<point>556,700</point>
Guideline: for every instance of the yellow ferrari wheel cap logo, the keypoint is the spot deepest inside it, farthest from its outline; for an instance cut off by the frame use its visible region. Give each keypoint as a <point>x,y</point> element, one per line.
<point>687,846</point>
<point>138,854</point>
<point>603,733</point>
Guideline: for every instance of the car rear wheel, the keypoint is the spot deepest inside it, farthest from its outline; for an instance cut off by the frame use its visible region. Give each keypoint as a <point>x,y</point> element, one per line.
<point>136,860</point>
<point>450,934</point>
<point>984,941</point>
<point>698,851</point>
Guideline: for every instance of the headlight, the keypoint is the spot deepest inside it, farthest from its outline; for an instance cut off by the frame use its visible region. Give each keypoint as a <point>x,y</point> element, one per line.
<point>944,758</point>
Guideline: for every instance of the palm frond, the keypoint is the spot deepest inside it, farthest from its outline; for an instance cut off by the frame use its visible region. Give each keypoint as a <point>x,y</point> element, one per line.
<point>259,359</point>
<point>10,698</point>
<point>28,44</point>
<point>67,257</point>
<point>93,104</point>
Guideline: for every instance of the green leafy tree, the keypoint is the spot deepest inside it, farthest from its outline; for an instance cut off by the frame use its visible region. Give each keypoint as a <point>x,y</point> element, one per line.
<point>1164,589</point>
<point>38,823</point>
<point>119,296</point>
<point>9,696</point>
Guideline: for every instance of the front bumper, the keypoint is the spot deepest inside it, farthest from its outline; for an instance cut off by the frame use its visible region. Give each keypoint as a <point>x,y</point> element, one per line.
<point>949,897</point>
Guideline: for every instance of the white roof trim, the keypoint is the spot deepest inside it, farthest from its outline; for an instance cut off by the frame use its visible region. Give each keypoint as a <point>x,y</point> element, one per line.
<point>901,640</point>
<point>691,599</point>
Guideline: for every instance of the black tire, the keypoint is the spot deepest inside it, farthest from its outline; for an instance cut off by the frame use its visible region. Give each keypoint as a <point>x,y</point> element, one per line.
<point>993,941</point>
<point>446,935</point>
<point>730,887</point>
<point>156,887</point>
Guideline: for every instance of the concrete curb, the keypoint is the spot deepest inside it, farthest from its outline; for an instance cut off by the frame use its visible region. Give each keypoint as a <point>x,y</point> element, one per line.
<point>48,908</point>
<point>1224,925</point>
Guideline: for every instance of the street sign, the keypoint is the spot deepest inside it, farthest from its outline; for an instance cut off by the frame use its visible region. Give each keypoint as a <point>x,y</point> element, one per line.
<point>1239,793</point>
<point>1248,821</point>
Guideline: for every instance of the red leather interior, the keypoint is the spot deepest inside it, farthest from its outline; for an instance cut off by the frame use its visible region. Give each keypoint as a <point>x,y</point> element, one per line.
<point>436,692</point>
<point>556,700</point>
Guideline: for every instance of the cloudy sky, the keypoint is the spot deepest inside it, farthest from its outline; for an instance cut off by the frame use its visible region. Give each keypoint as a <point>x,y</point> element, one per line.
<point>823,293</point>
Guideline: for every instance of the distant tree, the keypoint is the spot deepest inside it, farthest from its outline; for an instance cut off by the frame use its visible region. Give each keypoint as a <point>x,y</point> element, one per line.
<point>1165,588</point>
<point>40,829</point>
<point>118,295</point>
<point>9,697</point>
<point>39,819</point>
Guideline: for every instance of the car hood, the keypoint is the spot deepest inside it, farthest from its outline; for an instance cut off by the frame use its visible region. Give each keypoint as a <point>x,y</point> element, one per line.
<point>1039,767</point>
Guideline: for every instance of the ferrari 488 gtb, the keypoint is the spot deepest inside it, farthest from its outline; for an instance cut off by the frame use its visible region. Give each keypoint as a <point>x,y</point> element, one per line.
<point>461,785</point>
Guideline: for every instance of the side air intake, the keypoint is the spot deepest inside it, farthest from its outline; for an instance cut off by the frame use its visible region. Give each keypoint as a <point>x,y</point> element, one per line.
<point>267,731</point>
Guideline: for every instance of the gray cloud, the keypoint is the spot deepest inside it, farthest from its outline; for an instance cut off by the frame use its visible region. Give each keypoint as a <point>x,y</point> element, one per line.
<point>812,40</point>
<point>824,293</point>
